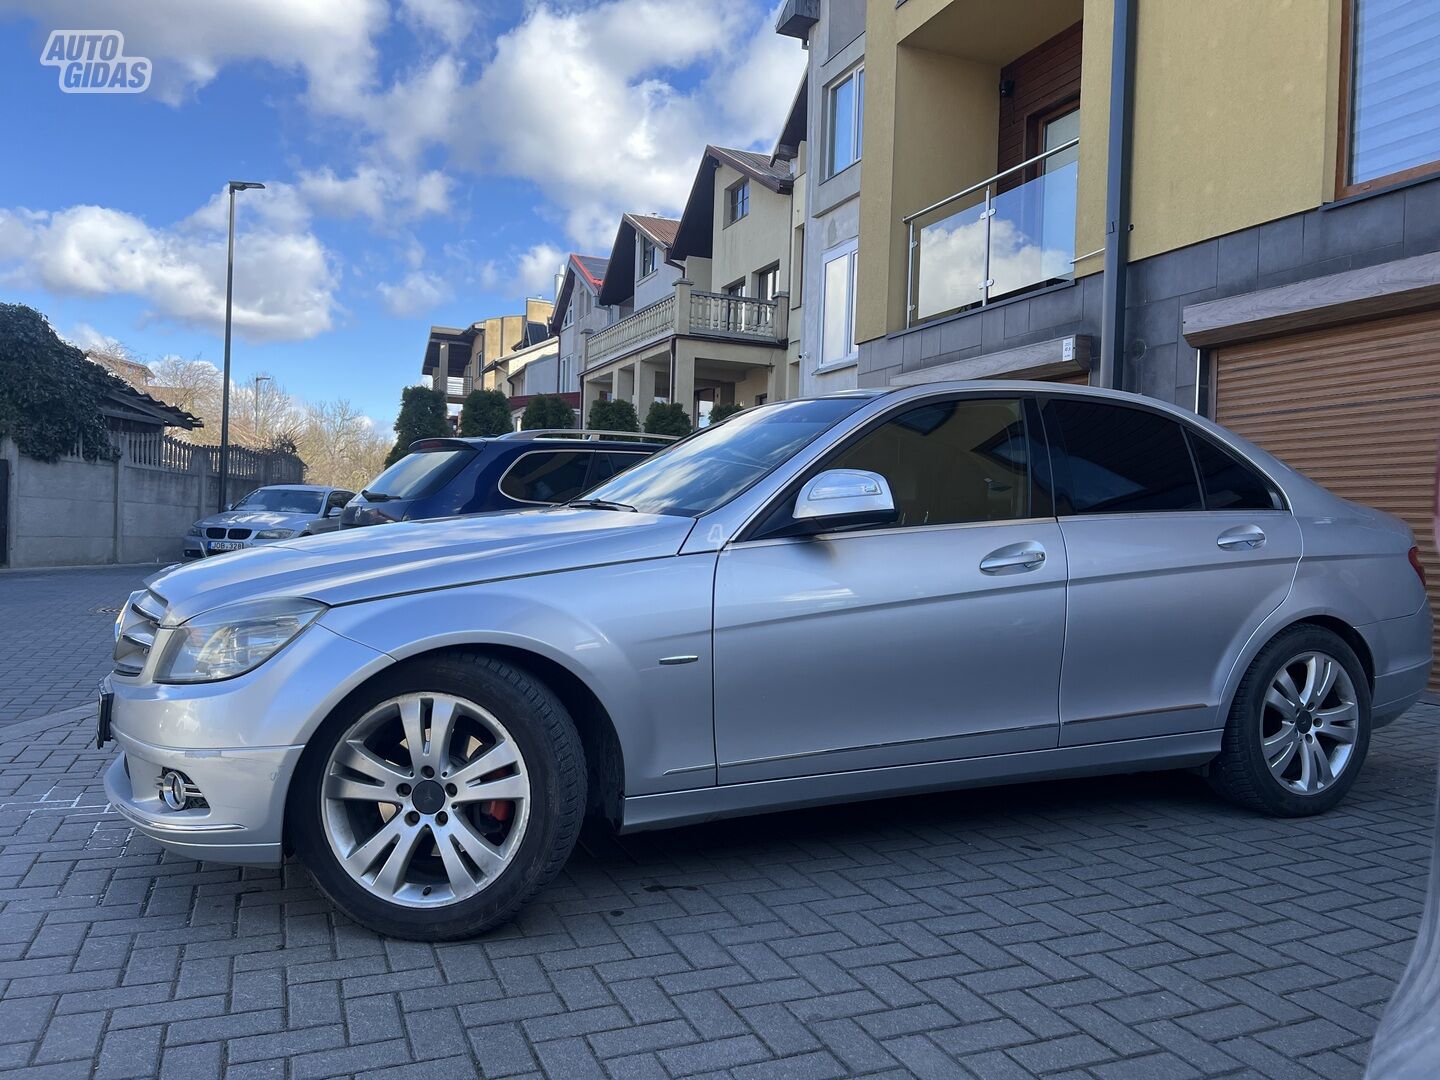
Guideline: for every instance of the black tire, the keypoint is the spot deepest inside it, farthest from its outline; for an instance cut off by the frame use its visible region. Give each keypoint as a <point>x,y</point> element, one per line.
<point>554,760</point>
<point>1241,774</point>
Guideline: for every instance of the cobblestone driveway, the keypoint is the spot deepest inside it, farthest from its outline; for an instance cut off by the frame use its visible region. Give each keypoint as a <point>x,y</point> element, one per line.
<point>1129,927</point>
<point>55,636</point>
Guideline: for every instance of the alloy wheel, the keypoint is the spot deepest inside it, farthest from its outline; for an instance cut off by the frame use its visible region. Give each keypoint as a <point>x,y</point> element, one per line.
<point>1309,722</point>
<point>425,800</point>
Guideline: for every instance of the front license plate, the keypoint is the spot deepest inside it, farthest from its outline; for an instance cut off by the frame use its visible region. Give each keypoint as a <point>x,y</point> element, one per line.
<point>225,545</point>
<point>102,722</point>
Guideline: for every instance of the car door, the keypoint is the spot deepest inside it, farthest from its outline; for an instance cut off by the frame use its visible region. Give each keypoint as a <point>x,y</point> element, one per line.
<point>1169,576</point>
<point>329,519</point>
<point>935,637</point>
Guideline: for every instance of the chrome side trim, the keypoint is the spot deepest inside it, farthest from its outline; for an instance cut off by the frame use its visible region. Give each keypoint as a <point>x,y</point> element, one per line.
<point>672,660</point>
<point>885,744</point>
<point>1137,712</point>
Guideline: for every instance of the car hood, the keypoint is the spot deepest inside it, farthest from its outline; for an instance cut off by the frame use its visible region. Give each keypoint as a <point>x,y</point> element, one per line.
<point>362,564</point>
<point>257,519</point>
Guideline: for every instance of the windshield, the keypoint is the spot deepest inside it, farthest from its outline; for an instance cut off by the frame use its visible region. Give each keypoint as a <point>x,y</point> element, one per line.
<point>280,500</point>
<point>417,475</point>
<point>710,468</point>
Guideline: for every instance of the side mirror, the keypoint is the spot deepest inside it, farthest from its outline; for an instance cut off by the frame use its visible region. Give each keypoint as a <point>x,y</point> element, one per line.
<point>333,511</point>
<point>842,498</point>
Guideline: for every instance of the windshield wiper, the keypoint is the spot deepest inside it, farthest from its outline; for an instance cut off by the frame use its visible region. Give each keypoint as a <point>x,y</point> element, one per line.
<point>376,496</point>
<point>601,504</point>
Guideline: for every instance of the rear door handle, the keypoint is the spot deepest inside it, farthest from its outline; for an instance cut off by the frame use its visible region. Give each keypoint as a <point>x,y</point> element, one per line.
<point>1242,536</point>
<point>1014,559</point>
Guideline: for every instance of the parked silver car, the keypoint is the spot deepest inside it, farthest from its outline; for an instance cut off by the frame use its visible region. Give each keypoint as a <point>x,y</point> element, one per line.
<point>818,600</point>
<point>267,514</point>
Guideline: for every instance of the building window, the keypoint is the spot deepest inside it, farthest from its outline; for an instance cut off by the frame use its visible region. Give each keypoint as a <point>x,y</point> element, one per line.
<point>844,121</point>
<point>649,257</point>
<point>735,288</point>
<point>767,282</point>
<point>1391,112</point>
<point>569,316</point>
<point>837,315</point>
<point>737,201</point>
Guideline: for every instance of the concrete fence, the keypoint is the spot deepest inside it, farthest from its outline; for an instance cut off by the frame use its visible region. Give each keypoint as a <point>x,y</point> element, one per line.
<point>133,508</point>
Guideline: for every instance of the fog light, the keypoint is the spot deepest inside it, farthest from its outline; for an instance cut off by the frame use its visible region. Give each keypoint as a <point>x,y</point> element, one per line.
<point>179,792</point>
<point>172,790</point>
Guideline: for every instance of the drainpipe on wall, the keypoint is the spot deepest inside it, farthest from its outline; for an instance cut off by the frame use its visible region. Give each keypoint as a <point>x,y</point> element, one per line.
<point>1117,197</point>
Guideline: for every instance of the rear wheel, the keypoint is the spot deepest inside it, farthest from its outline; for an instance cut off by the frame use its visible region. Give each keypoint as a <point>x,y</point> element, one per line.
<point>434,806</point>
<point>1299,727</point>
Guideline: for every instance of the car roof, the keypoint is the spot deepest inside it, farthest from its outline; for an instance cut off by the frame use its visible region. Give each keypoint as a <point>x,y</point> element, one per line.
<point>301,487</point>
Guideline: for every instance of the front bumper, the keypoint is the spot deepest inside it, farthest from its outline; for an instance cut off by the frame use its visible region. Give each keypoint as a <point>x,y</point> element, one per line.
<point>245,789</point>
<point>238,741</point>
<point>196,547</point>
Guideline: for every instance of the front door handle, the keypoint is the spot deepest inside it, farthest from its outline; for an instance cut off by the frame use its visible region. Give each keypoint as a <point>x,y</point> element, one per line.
<point>1014,559</point>
<point>1242,536</point>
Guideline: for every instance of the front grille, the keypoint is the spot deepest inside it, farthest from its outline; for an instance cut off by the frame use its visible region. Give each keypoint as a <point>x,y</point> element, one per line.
<point>135,636</point>
<point>215,534</point>
<point>239,534</point>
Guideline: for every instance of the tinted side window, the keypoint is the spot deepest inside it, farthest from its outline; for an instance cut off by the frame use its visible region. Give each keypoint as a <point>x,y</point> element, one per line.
<point>950,462</point>
<point>337,498</point>
<point>1110,459</point>
<point>546,477</point>
<point>606,465</point>
<point>1229,483</point>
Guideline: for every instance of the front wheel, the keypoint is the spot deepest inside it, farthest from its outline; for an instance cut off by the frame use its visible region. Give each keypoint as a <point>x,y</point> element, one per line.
<point>1299,727</point>
<point>434,805</point>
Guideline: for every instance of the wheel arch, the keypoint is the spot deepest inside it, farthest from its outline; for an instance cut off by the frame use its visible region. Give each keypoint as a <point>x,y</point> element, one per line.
<point>604,758</point>
<point>1263,636</point>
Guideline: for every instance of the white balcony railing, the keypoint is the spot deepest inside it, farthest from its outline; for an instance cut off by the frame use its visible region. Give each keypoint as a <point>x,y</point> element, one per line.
<point>688,313</point>
<point>644,326</point>
<point>984,243</point>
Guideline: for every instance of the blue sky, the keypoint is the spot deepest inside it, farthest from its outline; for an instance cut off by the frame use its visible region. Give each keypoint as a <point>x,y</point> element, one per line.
<point>428,161</point>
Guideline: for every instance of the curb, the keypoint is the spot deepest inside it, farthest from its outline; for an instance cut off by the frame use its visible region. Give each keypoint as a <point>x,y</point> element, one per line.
<point>23,729</point>
<point>81,566</point>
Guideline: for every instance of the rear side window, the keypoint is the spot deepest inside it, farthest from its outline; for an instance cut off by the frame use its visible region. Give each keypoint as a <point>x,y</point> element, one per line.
<point>1229,483</point>
<point>1109,459</point>
<point>606,465</point>
<point>546,476</point>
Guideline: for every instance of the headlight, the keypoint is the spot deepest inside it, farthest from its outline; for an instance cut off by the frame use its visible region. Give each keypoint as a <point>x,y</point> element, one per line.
<point>232,640</point>
<point>274,534</point>
<point>194,530</point>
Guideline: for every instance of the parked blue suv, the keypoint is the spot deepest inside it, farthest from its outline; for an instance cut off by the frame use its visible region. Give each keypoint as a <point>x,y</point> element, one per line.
<point>441,477</point>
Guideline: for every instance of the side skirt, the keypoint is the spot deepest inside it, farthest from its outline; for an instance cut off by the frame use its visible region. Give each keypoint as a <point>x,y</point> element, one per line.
<point>764,796</point>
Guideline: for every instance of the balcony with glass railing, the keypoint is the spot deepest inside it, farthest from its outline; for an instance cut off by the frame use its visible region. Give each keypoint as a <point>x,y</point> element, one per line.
<point>1007,234</point>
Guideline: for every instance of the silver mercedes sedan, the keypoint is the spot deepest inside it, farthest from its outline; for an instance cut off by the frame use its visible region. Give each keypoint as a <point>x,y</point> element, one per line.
<point>814,601</point>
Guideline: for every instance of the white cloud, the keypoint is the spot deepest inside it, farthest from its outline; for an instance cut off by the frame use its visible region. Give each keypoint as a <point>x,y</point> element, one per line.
<point>417,292</point>
<point>331,41</point>
<point>450,19</point>
<point>284,281</point>
<point>383,196</point>
<point>535,269</point>
<point>581,102</point>
<point>86,337</point>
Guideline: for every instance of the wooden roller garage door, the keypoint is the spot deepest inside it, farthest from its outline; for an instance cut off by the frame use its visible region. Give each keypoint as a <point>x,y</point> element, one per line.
<point>1356,408</point>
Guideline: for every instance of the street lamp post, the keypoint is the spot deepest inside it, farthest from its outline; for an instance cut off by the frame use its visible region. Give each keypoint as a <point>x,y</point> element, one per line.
<point>258,380</point>
<point>232,187</point>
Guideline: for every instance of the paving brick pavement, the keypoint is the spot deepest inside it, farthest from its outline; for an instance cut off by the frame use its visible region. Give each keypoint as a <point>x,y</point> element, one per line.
<point>1105,929</point>
<point>54,643</point>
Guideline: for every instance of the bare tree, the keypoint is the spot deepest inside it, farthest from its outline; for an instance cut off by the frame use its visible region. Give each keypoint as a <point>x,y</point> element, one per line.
<point>192,385</point>
<point>123,361</point>
<point>340,445</point>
